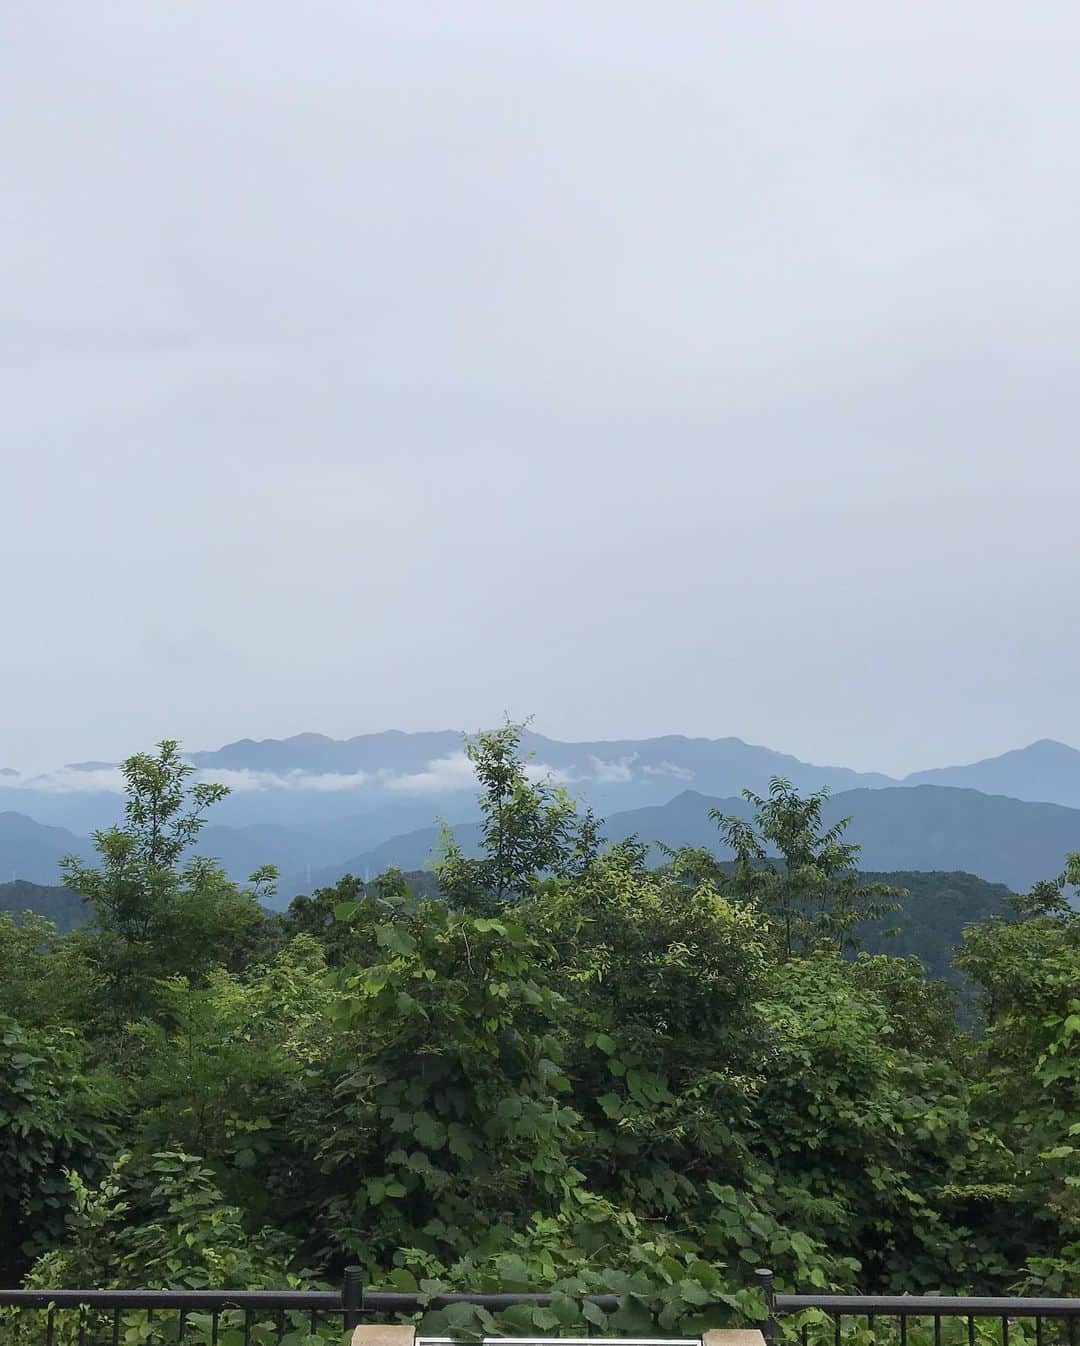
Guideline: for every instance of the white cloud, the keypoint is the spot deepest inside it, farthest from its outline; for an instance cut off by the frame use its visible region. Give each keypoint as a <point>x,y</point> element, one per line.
<point>612,773</point>
<point>73,780</point>
<point>556,775</point>
<point>244,780</point>
<point>441,775</point>
<point>453,772</point>
<point>669,769</point>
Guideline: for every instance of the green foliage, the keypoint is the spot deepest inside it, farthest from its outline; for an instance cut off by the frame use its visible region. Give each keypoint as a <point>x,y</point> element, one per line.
<point>529,828</point>
<point>163,1223</point>
<point>54,1114</point>
<point>1028,1084</point>
<point>816,896</point>
<point>560,1070</point>
<point>157,912</point>
<point>317,915</point>
<point>451,1103</point>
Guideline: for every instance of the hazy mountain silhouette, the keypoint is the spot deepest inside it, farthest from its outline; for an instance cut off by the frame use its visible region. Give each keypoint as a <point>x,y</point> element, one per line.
<point>364,790</point>
<point>30,850</point>
<point>923,827</point>
<point>1047,771</point>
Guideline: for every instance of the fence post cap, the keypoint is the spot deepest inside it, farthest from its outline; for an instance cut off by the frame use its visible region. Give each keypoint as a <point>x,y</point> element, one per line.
<point>732,1336</point>
<point>388,1334</point>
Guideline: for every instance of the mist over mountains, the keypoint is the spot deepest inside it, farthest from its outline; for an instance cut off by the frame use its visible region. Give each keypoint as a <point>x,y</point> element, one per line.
<point>398,780</point>
<point>318,807</point>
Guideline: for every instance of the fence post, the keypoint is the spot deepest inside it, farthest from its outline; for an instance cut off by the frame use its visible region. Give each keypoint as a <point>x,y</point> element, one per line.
<point>352,1296</point>
<point>765,1281</point>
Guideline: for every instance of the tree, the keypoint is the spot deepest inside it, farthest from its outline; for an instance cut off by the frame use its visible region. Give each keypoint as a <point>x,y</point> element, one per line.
<point>529,829</point>
<point>155,914</point>
<point>815,894</point>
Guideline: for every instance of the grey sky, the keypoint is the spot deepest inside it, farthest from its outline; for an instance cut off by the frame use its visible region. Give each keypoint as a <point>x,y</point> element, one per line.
<point>644,367</point>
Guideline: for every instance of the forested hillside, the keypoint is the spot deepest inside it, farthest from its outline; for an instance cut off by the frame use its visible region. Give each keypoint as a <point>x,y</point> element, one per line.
<point>931,916</point>
<point>61,907</point>
<point>549,1064</point>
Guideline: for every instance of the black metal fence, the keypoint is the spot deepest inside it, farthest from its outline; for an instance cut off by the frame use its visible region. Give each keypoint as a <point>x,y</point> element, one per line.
<point>230,1317</point>
<point>897,1318</point>
<point>273,1317</point>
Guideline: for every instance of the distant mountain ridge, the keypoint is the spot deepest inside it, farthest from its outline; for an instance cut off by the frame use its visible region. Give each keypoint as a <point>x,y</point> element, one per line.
<point>672,756</point>
<point>1045,771</point>
<point>374,786</point>
<point>925,828</point>
<point>312,804</point>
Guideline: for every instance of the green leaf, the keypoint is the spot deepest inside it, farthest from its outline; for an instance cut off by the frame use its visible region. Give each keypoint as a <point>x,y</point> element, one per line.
<point>396,938</point>
<point>611,1104</point>
<point>593,1313</point>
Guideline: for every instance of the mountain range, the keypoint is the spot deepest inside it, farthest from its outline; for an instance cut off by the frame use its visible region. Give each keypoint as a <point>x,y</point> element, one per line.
<point>1045,771</point>
<point>317,807</point>
<point>926,827</point>
<point>366,789</point>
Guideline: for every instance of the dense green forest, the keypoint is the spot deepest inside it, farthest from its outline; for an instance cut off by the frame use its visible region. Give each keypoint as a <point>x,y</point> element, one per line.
<point>550,1065</point>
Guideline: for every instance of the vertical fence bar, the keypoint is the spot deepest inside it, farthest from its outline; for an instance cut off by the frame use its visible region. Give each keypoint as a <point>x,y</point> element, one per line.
<point>1004,1331</point>
<point>765,1281</point>
<point>903,1329</point>
<point>971,1329</point>
<point>352,1296</point>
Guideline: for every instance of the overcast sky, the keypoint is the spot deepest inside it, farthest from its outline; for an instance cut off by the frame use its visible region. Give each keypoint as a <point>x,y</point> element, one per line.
<point>700,368</point>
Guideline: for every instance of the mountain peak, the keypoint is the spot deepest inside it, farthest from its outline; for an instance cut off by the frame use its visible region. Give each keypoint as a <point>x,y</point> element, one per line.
<point>1046,771</point>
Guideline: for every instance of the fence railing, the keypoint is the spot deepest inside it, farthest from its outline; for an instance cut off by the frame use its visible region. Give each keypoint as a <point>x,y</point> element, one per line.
<point>251,1317</point>
<point>265,1317</point>
<point>930,1313</point>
